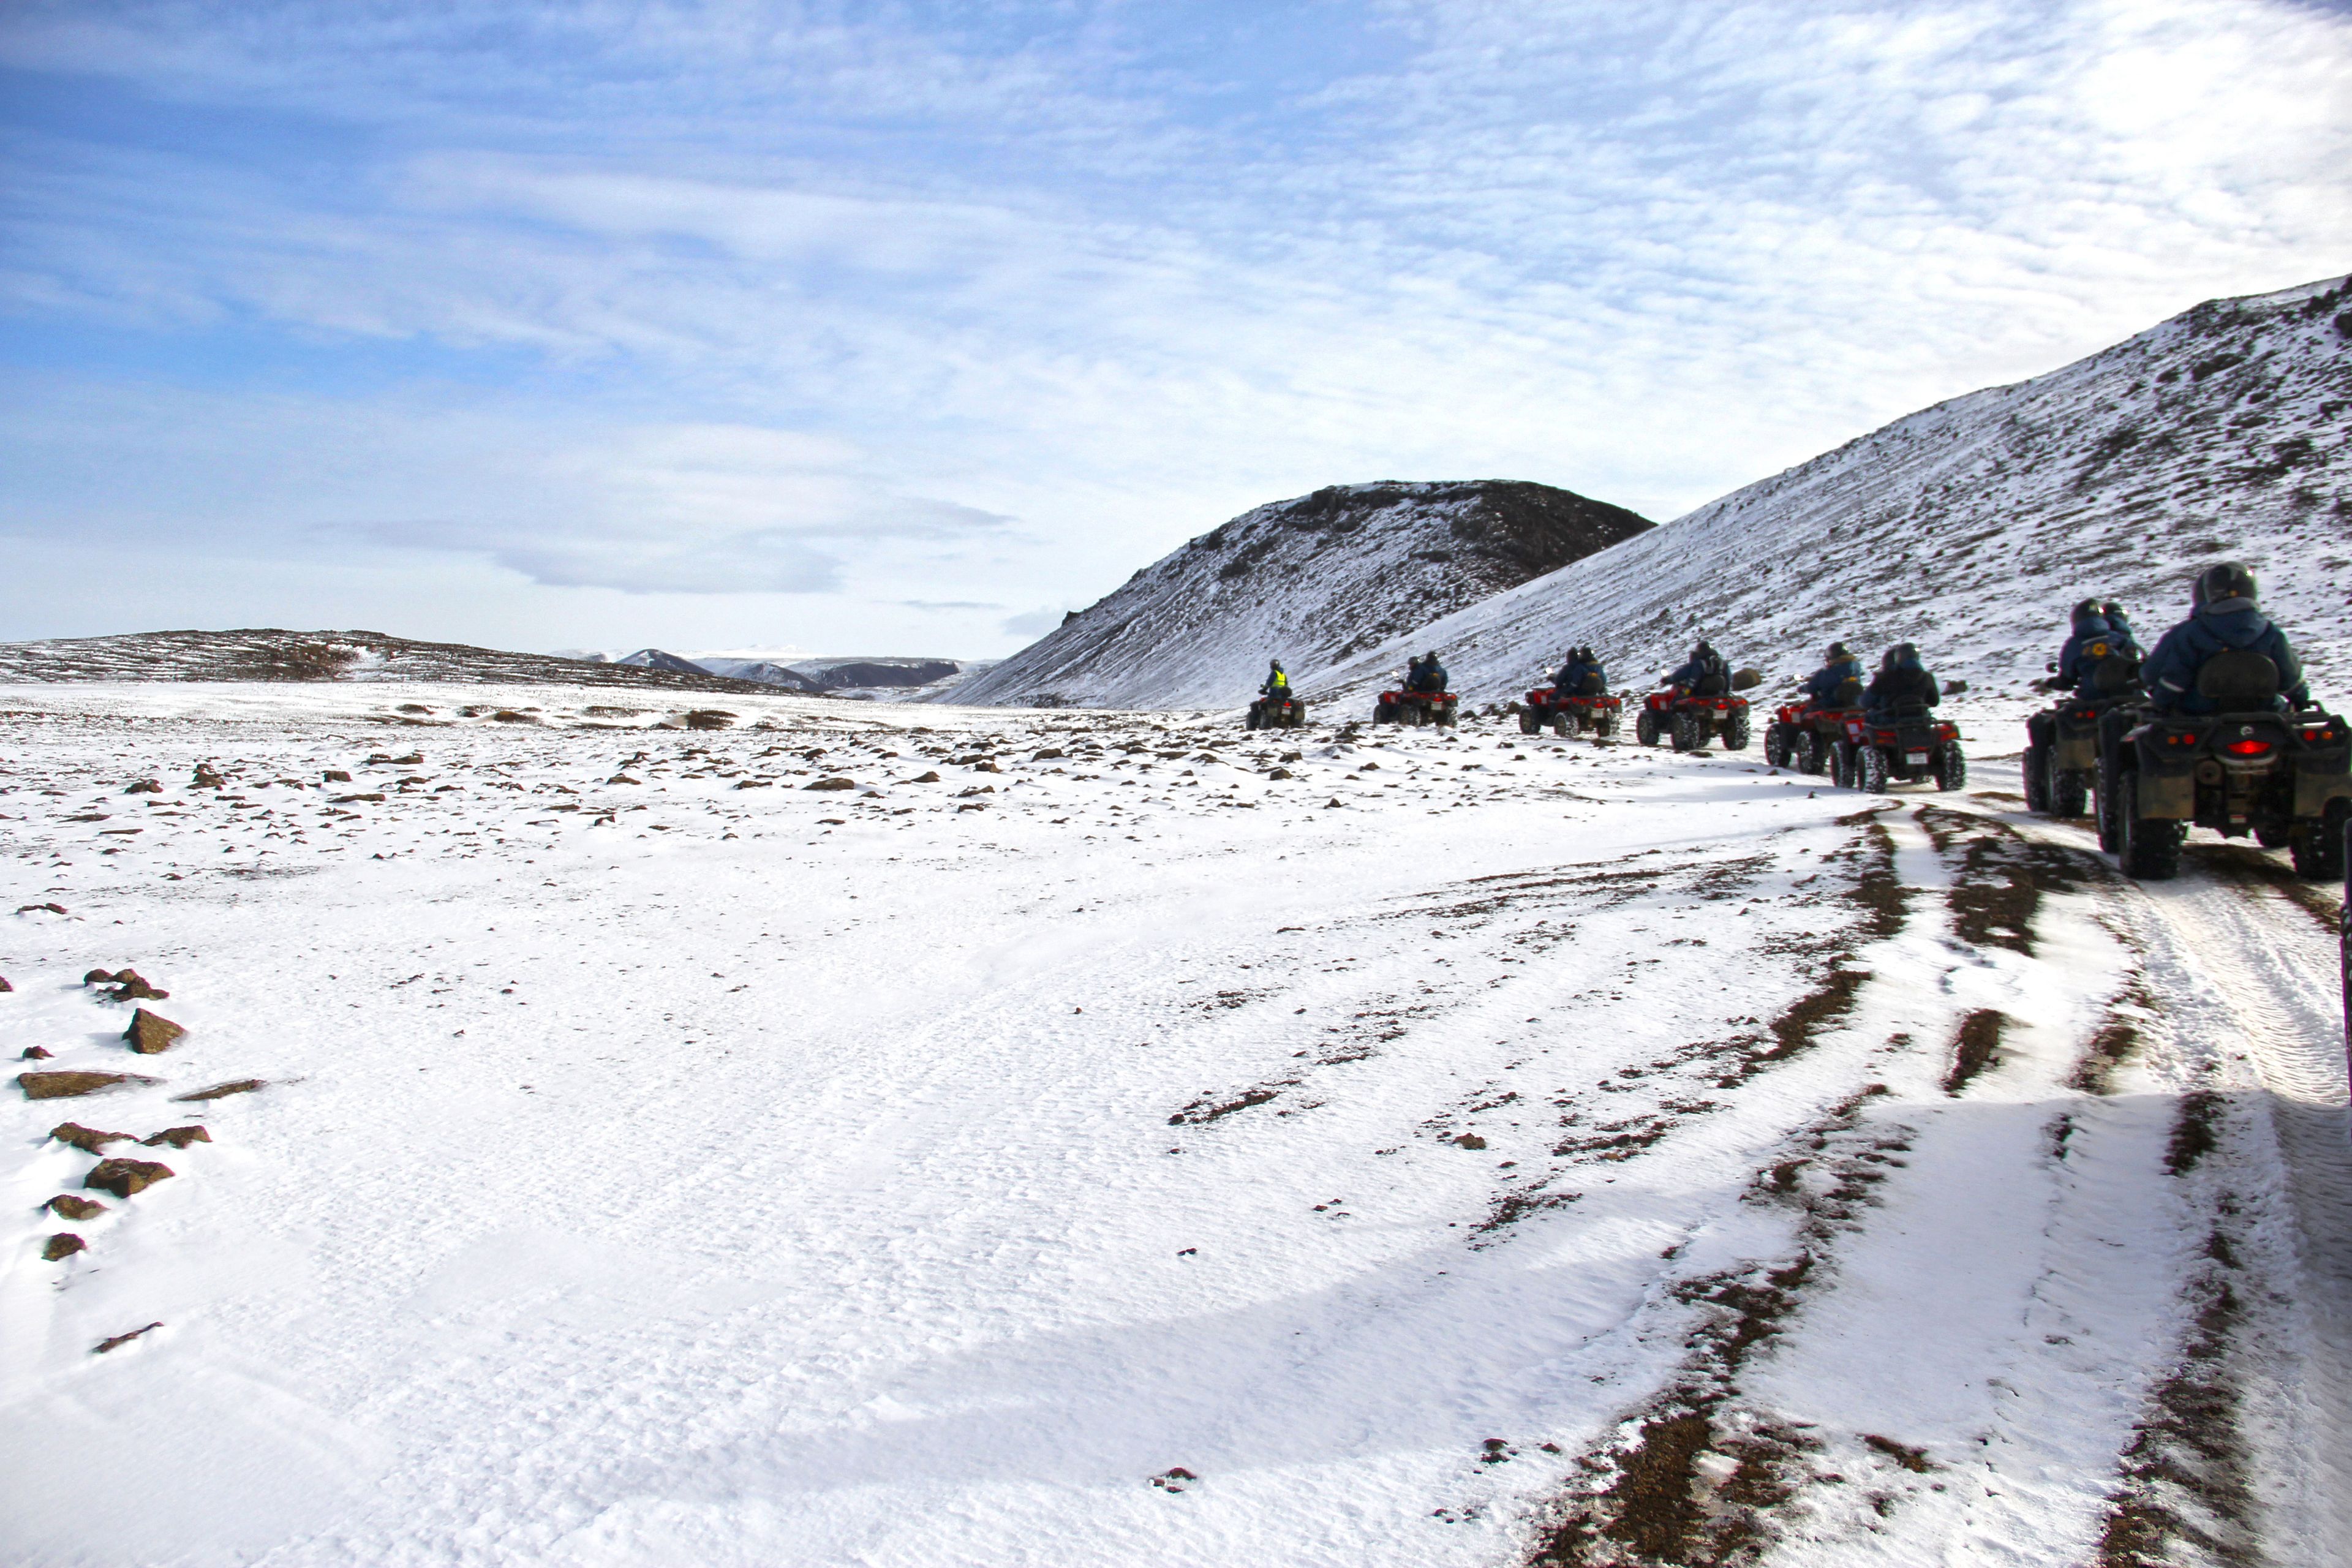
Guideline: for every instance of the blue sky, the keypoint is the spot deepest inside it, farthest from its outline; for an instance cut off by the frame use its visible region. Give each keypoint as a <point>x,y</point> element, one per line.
<point>903,328</point>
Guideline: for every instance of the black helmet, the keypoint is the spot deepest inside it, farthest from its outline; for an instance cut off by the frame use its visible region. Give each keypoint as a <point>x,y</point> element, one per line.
<point>1429,658</point>
<point>2226,581</point>
<point>1273,664</point>
<point>2085,610</point>
<point>1839,650</point>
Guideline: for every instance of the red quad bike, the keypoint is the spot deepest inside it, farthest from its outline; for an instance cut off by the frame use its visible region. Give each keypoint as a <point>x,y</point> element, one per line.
<point>2245,768</point>
<point>1805,738</point>
<point>1416,708</point>
<point>1688,721</point>
<point>1275,713</point>
<point>1912,746</point>
<point>1574,714</point>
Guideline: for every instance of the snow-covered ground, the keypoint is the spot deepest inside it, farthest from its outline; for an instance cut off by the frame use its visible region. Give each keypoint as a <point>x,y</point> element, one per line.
<point>1477,1150</point>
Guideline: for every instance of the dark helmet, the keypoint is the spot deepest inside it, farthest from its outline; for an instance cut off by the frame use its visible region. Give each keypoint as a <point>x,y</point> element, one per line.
<point>1905,655</point>
<point>1704,648</point>
<point>2087,610</point>
<point>1273,664</point>
<point>1429,658</point>
<point>2226,581</point>
<point>1839,650</point>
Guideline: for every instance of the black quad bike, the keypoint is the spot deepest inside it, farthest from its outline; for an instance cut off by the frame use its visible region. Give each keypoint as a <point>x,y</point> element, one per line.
<point>1438,708</point>
<point>2062,744</point>
<point>1571,713</point>
<point>1805,738</point>
<point>1285,712</point>
<point>2245,768</point>
<point>1910,745</point>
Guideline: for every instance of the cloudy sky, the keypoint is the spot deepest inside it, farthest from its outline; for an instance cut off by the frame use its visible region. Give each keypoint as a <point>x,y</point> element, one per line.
<point>902,326</point>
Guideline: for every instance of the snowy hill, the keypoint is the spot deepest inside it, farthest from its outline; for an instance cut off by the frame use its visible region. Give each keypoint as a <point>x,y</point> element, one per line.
<point>1308,580</point>
<point>267,654</point>
<point>1971,527</point>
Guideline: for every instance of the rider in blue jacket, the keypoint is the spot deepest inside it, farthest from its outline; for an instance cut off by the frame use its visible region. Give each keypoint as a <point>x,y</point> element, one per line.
<point>1705,673</point>
<point>2224,617</point>
<point>2094,625</point>
<point>1827,683</point>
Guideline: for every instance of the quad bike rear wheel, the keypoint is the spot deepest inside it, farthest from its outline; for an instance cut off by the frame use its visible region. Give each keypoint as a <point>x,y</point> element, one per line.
<point>2272,837</point>
<point>1805,752</point>
<point>1383,714</point>
<point>1734,730</point>
<point>2068,793</point>
<point>1952,769</point>
<point>1529,720</point>
<point>1689,733</point>
<point>2107,809</point>
<point>2318,847</point>
<point>1645,727</point>
<point>1776,745</point>
<point>1870,770</point>
<point>2147,846</point>
<point>2036,769</point>
<point>1842,764</point>
<point>1563,725</point>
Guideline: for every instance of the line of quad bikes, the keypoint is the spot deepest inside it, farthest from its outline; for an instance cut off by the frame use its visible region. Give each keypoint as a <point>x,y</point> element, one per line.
<point>2145,777</point>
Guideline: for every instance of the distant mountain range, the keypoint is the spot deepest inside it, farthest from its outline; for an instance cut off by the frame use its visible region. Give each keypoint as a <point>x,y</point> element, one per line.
<point>1309,581</point>
<point>860,675</point>
<point>267,654</point>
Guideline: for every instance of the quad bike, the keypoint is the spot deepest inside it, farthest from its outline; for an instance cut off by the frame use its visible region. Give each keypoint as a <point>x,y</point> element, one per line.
<point>1572,714</point>
<point>1275,713</point>
<point>1688,721</point>
<point>1910,746</point>
<point>1804,737</point>
<point>2061,750</point>
<point>1437,708</point>
<point>2245,768</point>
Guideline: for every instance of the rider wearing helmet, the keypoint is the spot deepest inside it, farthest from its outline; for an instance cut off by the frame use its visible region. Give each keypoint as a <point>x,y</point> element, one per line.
<point>2224,619</point>
<point>1838,682</point>
<point>2096,631</point>
<point>1429,675</point>
<point>1900,682</point>
<point>1277,685</point>
<point>1704,674</point>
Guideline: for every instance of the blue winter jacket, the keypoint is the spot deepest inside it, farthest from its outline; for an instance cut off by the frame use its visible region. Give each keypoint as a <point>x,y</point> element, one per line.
<point>1431,679</point>
<point>2171,670</point>
<point>1569,681</point>
<point>2074,667</point>
<point>1823,686</point>
<point>1696,671</point>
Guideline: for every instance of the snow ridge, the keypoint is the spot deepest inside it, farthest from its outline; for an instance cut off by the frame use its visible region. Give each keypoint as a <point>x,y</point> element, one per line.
<point>1308,580</point>
<point>1971,527</point>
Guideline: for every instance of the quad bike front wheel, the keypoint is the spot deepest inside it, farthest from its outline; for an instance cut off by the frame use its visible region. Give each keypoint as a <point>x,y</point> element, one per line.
<point>1776,745</point>
<point>2036,770</point>
<point>1735,731</point>
<point>1952,769</point>
<point>2147,846</point>
<point>2068,794</point>
<point>1531,721</point>
<point>1842,764</point>
<point>1870,770</point>
<point>1645,727</point>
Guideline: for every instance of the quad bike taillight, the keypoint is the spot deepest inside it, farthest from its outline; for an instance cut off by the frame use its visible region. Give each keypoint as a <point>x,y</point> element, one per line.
<point>2247,748</point>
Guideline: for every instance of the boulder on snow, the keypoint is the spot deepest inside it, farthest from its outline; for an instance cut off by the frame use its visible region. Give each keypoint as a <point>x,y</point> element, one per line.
<point>37,1053</point>
<point>710,719</point>
<point>66,1085</point>
<point>89,1140</point>
<point>205,778</point>
<point>929,776</point>
<point>100,977</point>
<point>65,1205</point>
<point>65,1244</point>
<point>336,776</point>
<point>178,1137</point>
<point>831,783</point>
<point>107,1345</point>
<point>4,986</point>
<point>151,1033</point>
<point>129,985</point>
<point>144,786</point>
<point>123,1177</point>
<point>1471,1141</point>
<point>223,1090</point>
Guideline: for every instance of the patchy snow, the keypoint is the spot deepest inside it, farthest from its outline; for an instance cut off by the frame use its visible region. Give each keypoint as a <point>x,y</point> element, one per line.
<point>1542,1153</point>
<point>1307,581</point>
<point>1971,527</point>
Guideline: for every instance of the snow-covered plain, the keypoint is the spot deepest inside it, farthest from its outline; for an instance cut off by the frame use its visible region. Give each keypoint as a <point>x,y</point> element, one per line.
<point>1477,1150</point>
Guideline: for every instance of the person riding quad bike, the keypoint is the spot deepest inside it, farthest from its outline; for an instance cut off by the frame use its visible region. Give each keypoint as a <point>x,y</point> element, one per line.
<point>2230,739</point>
<point>1577,700</point>
<point>1804,733</point>
<point>1422,700</point>
<point>1897,738</point>
<point>2099,670</point>
<point>1697,702</point>
<point>1276,707</point>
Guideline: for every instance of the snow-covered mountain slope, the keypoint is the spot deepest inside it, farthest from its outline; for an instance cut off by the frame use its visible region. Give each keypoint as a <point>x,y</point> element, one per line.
<point>269,653</point>
<point>1309,582</point>
<point>1971,527</point>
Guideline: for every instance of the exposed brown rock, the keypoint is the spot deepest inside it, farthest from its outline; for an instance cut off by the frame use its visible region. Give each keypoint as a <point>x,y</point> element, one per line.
<point>65,1244</point>
<point>178,1137</point>
<point>710,719</point>
<point>37,1053</point>
<point>106,1345</point>
<point>831,783</point>
<point>1471,1141</point>
<point>89,1140</point>
<point>66,1205</point>
<point>123,1177</point>
<point>144,786</point>
<point>204,777</point>
<point>66,1085</point>
<point>4,986</point>
<point>929,777</point>
<point>223,1090</point>
<point>336,776</point>
<point>28,908</point>
<point>129,985</point>
<point>1049,755</point>
<point>151,1033</point>
<point>346,799</point>
<point>100,977</point>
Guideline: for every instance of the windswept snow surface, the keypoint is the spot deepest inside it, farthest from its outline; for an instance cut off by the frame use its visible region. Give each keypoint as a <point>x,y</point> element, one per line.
<point>1307,581</point>
<point>1971,527</point>
<point>1464,1150</point>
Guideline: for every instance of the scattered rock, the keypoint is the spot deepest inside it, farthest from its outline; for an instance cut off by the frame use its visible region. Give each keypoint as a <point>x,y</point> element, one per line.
<point>509,716</point>
<point>973,805</point>
<point>623,778</point>
<point>347,799</point>
<point>66,1085</point>
<point>4,986</point>
<point>129,985</point>
<point>100,977</point>
<point>178,1137</point>
<point>1172,1479</point>
<point>223,1090</point>
<point>831,783</point>
<point>710,719</point>
<point>335,776</point>
<point>89,1140</point>
<point>414,759</point>
<point>930,777</point>
<point>123,1177</point>
<point>144,786</point>
<point>151,1033</point>
<point>65,1244</point>
<point>66,1205</point>
<point>28,908</point>
<point>1471,1141</point>
<point>37,1053</point>
<point>1049,755</point>
<point>985,766</point>
<point>204,777</point>
<point>1294,756</point>
<point>413,707</point>
<point>1279,773</point>
<point>106,1345</point>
